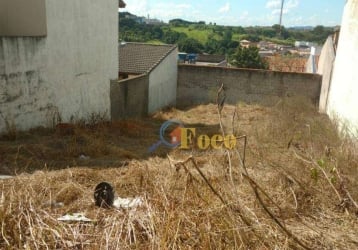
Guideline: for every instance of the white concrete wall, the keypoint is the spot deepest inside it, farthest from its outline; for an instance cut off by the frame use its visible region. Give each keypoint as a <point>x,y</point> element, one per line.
<point>68,71</point>
<point>343,95</point>
<point>325,68</point>
<point>163,83</point>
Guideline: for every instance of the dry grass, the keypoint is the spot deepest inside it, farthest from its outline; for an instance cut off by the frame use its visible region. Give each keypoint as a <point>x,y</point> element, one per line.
<point>297,188</point>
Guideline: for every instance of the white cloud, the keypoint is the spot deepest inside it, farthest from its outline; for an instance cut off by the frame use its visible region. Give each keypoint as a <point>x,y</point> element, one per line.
<point>183,6</point>
<point>292,4</point>
<point>244,15</point>
<point>140,7</point>
<point>225,8</point>
<point>275,6</point>
<point>160,10</point>
<point>278,11</point>
<point>167,11</point>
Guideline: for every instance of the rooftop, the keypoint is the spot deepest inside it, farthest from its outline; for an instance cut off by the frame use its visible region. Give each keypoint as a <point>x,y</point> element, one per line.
<point>139,58</point>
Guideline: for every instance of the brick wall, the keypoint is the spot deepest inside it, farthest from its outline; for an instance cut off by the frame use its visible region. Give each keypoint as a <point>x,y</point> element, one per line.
<point>199,84</point>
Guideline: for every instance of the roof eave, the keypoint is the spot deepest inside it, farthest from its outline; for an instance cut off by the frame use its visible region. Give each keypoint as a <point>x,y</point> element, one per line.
<point>174,47</point>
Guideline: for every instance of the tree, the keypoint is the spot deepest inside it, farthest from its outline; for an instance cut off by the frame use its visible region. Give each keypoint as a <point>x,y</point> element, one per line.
<point>248,58</point>
<point>227,36</point>
<point>172,37</point>
<point>281,31</point>
<point>318,30</point>
<point>251,38</point>
<point>190,45</point>
<point>212,46</point>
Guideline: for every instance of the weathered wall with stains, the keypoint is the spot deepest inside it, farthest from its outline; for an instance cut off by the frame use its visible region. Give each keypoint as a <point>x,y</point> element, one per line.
<point>325,67</point>
<point>65,73</point>
<point>199,84</point>
<point>129,97</point>
<point>163,83</point>
<point>342,98</point>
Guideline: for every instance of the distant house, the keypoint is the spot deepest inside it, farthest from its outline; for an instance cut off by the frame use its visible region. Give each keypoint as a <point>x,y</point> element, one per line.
<point>245,43</point>
<point>304,44</point>
<point>148,79</point>
<point>57,59</point>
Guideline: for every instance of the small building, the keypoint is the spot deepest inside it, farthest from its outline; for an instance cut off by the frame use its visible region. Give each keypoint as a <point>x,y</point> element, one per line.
<point>57,59</point>
<point>245,43</point>
<point>148,79</point>
<point>304,44</point>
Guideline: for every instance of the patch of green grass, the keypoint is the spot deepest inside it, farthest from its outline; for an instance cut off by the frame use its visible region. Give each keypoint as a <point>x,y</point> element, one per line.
<point>238,37</point>
<point>156,42</point>
<point>200,35</point>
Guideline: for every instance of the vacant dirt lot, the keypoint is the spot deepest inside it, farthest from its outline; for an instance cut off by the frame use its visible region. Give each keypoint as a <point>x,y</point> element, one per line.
<point>294,185</point>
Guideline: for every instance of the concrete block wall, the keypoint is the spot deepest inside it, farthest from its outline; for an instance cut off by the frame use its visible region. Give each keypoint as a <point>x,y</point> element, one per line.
<point>199,85</point>
<point>129,97</point>
<point>66,72</point>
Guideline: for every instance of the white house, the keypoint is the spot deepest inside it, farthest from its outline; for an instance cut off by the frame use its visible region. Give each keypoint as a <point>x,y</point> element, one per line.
<point>57,58</point>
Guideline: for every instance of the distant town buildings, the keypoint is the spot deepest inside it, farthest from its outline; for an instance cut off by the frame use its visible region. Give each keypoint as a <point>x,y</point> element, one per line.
<point>143,19</point>
<point>287,58</point>
<point>304,44</point>
<point>153,21</point>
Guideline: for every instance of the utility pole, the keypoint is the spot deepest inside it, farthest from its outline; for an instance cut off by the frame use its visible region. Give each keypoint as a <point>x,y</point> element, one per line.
<point>282,1</point>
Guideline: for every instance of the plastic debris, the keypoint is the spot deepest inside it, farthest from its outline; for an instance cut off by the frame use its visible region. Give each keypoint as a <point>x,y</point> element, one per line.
<point>84,157</point>
<point>75,217</point>
<point>104,196</point>
<point>4,177</point>
<point>127,202</point>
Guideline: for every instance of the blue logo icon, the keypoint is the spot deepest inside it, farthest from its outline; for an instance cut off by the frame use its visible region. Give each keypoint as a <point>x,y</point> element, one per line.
<point>174,135</point>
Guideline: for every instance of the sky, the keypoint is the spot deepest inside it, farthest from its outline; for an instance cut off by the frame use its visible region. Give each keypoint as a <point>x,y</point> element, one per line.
<point>242,12</point>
